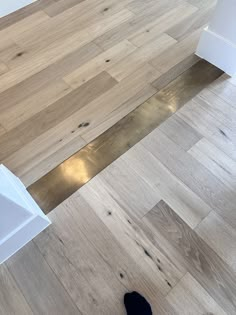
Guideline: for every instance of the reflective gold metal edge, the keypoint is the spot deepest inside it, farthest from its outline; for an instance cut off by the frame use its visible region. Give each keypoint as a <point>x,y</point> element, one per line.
<point>60,183</point>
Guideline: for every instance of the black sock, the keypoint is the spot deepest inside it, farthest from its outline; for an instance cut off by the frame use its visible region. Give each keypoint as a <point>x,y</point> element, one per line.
<point>136,304</point>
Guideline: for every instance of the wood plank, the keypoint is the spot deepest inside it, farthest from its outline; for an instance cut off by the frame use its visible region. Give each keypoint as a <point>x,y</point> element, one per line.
<point>45,152</point>
<point>211,128</point>
<point>217,162</point>
<point>164,273</point>
<point>220,236</point>
<point>219,109</point>
<point>10,53</point>
<point>175,71</point>
<point>200,260</point>
<point>124,184</point>
<point>25,24</point>
<point>37,282</point>
<point>193,174</point>
<point>60,6</point>
<point>57,49</point>
<point>100,108</point>
<point>88,17</point>
<point>224,89</point>
<point>193,113</point>
<point>3,68</point>
<point>162,23</point>
<point>189,297</point>
<point>37,102</point>
<point>57,112</point>
<point>137,24</point>
<point>180,132</point>
<point>139,6</point>
<point>186,203</point>
<point>140,56</point>
<point>100,63</point>
<point>27,87</point>
<point>116,115</point>
<point>225,141</point>
<point>191,23</point>
<point>12,300</point>
<point>89,279</point>
<point>122,273</point>
<point>178,52</point>
<point>21,14</point>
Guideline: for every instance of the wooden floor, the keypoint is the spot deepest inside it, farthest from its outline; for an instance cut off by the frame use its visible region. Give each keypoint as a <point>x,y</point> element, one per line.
<point>161,220</point>
<point>70,69</point>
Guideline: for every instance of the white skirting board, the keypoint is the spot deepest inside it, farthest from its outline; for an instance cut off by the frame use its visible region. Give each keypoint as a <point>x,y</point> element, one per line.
<point>9,6</point>
<point>217,50</point>
<point>20,217</point>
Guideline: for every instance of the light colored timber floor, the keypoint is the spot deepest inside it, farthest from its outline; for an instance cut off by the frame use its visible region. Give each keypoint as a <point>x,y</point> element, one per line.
<point>160,220</point>
<point>69,70</point>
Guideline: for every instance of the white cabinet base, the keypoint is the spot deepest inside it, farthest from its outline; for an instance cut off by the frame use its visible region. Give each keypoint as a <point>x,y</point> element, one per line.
<point>9,6</point>
<point>20,217</point>
<point>217,50</point>
<point>218,41</point>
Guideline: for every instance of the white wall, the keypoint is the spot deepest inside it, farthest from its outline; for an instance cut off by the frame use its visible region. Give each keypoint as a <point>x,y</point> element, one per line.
<point>9,6</point>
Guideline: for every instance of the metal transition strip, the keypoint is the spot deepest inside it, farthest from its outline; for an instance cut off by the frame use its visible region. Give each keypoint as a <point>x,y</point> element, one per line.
<point>60,183</point>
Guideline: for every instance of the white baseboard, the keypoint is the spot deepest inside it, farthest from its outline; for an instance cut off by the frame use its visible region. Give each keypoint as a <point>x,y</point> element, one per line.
<point>218,51</point>
<point>9,6</point>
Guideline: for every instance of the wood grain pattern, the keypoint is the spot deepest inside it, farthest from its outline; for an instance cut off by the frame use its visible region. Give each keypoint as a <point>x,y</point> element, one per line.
<point>193,174</point>
<point>143,55</point>
<point>189,297</point>
<point>180,132</point>
<point>75,41</point>
<point>107,238</point>
<point>110,266</point>
<point>191,23</point>
<point>60,6</point>
<point>12,300</point>
<point>217,162</point>
<point>59,111</point>
<point>132,238</point>
<point>220,236</point>
<point>200,260</point>
<point>21,14</point>
<point>102,62</point>
<point>186,203</point>
<point>162,24</point>
<point>177,53</point>
<point>33,275</point>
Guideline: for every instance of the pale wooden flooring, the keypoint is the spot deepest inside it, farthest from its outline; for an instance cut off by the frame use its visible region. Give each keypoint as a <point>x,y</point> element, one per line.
<point>160,220</point>
<point>70,69</point>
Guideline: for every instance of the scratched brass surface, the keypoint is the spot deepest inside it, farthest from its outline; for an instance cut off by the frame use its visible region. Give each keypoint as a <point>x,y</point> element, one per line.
<point>50,190</point>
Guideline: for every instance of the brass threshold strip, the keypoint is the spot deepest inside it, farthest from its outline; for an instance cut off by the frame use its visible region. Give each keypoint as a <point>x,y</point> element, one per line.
<point>60,183</point>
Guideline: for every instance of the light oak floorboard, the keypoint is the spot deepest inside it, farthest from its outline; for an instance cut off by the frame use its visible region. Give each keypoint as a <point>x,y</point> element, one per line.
<point>186,203</point>
<point>12,300</point>
<point>162,24</point>
<point>220,236</point>
<point>193,174</point>
<point>216,161</point>
<point>43,291</point>
<point>200,260</point>
<point>140,56</point>
<point>189,298</point>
